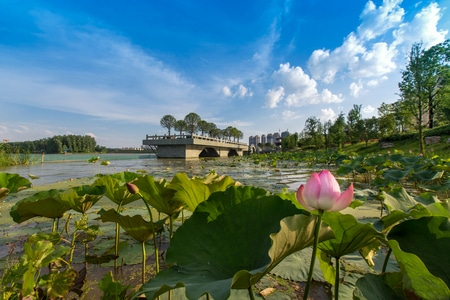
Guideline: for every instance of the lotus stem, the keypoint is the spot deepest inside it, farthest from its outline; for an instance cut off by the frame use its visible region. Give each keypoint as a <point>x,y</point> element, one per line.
<point>336,280</point>
<point>250,293</point>
<point>116,250</point>
<point>144,262</point>
<point>55,225</point>
<point>313,255</point>
<point>154,235</point>
<point>386,260</point>
<point>170,228</point>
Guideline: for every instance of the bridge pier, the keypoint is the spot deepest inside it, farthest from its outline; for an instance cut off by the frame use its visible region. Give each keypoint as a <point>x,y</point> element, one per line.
<point>181,146</point>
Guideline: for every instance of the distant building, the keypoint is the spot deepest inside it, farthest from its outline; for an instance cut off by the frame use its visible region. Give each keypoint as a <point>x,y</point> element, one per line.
<point>270,139</point>
<point>263,139</point>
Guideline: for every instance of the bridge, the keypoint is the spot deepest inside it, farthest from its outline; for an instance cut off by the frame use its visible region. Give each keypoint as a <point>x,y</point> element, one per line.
<point>192,146</point>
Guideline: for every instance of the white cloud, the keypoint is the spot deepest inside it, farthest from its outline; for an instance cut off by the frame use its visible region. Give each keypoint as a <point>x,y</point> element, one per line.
<point>274,96</point>
<point>227,91</point>
<point>356,88</point>
<point>369,52</point>
<point>327,114</point>
<point>378,20</point>
<point>289,115</point>
<point>423,28</point>
<point>369,109</point>
<point>375,62</point>
<point>298,89</point>
<point>328,97</point>
<point>240,91</point>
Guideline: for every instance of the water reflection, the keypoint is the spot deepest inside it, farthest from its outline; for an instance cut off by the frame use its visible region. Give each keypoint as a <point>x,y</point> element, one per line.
<point>57,168</point>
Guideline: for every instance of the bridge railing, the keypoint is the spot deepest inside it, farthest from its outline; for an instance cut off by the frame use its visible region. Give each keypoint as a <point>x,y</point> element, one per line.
<point>194,136</point>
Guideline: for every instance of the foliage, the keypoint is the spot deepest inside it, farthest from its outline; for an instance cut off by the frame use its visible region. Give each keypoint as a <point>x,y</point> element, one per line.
<point>267,228</point>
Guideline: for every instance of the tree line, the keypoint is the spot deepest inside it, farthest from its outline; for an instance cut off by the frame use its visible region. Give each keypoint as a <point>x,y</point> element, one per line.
<point>193,124</point>
<point>54,145</point>
<point>424,101</point>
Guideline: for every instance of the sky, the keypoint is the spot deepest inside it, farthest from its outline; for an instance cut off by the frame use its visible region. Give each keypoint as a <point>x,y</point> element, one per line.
<point>112,69</point>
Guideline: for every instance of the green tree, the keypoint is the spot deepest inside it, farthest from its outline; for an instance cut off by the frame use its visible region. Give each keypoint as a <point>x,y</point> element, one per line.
<point>369,129</point>
<point>168,121</point>
<point>192,120</point>
<point>354,124</point>
<point>180,126</point>
<point>337,131</point>
<point>203,126</point>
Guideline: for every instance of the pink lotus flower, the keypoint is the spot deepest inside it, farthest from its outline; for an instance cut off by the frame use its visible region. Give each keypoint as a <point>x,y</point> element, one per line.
<point>322,192</point>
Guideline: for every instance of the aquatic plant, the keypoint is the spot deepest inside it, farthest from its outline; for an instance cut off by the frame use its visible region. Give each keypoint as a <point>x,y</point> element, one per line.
<point>322,193</point>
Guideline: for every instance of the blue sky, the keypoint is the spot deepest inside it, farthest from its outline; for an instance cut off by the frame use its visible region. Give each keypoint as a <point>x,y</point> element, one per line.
<point>112,69</point>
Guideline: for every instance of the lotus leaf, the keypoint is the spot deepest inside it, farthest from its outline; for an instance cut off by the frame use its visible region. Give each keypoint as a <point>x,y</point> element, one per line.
<point>429,239</point>
<point>350,235</point>
<point>115,188</point>
<point>231,241</point>
<point>42,204</point>
<point>193,191</point>
<point>135,226</point>
<point>398,199</point>
<point>395,175</point>
<point>415,279</point>
<point>158,195</point>
<point>12,183</point>
<point>82,198</point>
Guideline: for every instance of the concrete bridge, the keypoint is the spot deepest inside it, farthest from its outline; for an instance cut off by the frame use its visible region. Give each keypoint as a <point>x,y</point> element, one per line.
<point>195,146</point>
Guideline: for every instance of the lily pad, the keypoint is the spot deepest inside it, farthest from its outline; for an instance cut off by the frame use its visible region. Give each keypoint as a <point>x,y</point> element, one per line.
<point>41,204</point>
<point>231,241</point>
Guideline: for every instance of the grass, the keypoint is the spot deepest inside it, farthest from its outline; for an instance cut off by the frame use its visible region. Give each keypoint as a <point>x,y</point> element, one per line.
<point>442,149</point>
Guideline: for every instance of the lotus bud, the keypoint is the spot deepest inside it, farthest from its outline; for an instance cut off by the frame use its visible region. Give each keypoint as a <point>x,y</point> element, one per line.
<point>132,188</point>
<point>322,192</point>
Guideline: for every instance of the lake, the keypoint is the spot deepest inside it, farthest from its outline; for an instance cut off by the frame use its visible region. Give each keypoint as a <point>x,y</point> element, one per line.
<point>62,167</point>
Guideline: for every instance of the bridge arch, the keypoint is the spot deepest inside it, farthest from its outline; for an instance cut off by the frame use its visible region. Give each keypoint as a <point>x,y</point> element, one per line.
<point>209,152</point>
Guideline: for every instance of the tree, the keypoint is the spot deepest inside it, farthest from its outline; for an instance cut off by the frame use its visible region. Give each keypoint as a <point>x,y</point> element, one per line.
<point>354,124</point>
<point>370,129</point>
<point>326,133</point>
<point>192,120</point>
<point>386,120</point>
<point>168,121</point>
<point>337,131</point>
<point>313,131</point>
<point>180,126</point>
<point>203,126</point>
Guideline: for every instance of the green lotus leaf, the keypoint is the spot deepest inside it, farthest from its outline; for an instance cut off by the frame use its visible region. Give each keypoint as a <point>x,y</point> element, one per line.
<point>158,195</point>
<point>416,280</point>
<point>350,236</point>
<point>116,189</point>
<point>194,191</point>
<point>231,241</point>
<point>59,283</point>
<point>427,175</point>
<point>398,199</point>
<point>429,239</point>
<point>395,175</point>
<point>82,198</point>
<point>373,287</point>
<point>42,204</point>
<point>12,183</point>
<point>135,226</point>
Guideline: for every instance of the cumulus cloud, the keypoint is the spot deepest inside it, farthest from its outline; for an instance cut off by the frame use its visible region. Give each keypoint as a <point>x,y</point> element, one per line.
<point>356,88</point>
<point>289,115</point>
<point>369,109</point>
<point>239,91</point>
<point>423,28</point>
<point>327,114</point>
<point>297,88</point>
<point>274,96</point>
<point>378,20</point>
<point>364,55</point>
